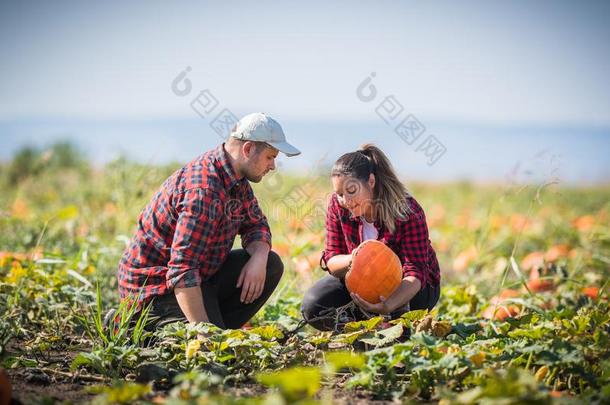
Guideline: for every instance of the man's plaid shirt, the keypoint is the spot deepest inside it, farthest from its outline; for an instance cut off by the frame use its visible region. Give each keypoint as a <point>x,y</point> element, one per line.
<point>187,230</point>
<point>409,241</point>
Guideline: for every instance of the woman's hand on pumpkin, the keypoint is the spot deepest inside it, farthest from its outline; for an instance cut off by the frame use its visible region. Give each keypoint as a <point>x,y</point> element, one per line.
<point>380,308</point>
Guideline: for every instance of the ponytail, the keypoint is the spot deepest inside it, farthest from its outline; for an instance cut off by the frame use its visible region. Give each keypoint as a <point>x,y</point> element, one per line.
<point>389,193</point>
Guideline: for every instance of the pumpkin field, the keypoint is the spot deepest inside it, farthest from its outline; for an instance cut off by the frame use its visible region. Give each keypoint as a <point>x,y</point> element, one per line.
<point>523,315</point>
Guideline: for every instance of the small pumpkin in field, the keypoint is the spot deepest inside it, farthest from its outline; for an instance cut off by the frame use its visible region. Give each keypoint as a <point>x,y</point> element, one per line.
<point>501,312</point>
<point>537,284</point>
<point>499,309</point>
<point>509,293</point>
<point>591,292</point>
<point>376,271</point>
<point>557,252</point>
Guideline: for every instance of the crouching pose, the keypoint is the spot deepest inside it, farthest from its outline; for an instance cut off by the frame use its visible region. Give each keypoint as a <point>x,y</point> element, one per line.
<point>180,260</point>
<point>369,202</point>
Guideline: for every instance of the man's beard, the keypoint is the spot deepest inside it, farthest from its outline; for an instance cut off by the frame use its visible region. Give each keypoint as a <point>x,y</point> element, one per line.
<point>251,177</point>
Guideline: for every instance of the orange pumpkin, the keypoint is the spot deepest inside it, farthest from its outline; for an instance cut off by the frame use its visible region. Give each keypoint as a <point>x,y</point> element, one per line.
<point>508,293</point>
<point>557,252</point>
<point>498,309</point>
<point>376,271</point>
<point>501,312</point>
<point>591,292</point>
<point>539,285</point>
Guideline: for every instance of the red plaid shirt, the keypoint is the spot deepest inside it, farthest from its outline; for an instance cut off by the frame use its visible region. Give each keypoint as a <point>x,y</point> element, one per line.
<point>187,230</point>
<point>409,241</point>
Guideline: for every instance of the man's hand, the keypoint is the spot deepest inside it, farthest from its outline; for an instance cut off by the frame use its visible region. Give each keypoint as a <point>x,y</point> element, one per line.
<point>252,278</point>
<point>381,308</point>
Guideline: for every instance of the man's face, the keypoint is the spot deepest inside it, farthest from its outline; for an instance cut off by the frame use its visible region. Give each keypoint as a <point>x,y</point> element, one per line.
<point>259,163</point>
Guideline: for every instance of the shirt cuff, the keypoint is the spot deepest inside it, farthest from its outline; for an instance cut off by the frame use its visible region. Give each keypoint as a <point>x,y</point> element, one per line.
<point>414,271</point>
<point>183,278</point>
<point>325,257</point>
<point>256,236</point>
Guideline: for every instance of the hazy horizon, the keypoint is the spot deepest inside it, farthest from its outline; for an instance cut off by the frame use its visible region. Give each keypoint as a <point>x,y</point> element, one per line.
<point>482,153</point>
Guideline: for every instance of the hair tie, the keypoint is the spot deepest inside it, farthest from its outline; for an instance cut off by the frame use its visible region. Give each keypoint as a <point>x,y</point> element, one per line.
<point>372,165</point>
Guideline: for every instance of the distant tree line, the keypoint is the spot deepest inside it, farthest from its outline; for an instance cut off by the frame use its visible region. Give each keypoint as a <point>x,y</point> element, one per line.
<point>32,161</point>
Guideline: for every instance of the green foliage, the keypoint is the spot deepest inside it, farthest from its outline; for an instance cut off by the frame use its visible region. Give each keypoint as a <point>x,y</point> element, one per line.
<point>121,393</point>
<point>296,383</point>
<point>64,226</point>
<point>29,161</point>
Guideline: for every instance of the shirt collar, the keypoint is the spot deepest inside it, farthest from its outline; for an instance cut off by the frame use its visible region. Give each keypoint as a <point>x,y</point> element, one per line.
<point>223,164</point>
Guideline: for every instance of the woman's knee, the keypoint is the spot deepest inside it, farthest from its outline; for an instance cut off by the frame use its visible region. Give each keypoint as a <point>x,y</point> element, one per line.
<point>309,306</point>
<point>313,311</point>
<point>326,293</point>
<point>426,298</point>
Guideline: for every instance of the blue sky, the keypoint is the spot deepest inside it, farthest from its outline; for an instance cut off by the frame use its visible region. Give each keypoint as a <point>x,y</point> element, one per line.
<point>498,83</point>
<point>541,62</point>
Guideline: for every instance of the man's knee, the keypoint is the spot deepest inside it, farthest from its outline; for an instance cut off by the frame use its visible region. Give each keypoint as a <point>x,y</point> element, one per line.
<point>275,267</point>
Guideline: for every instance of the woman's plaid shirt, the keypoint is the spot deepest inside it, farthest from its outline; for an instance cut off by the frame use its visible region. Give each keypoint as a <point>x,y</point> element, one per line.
<point>409,241</point>
<point>187,230</point>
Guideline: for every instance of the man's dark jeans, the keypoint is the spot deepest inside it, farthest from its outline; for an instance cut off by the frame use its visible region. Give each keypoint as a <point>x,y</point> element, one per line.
<point>221,296</point>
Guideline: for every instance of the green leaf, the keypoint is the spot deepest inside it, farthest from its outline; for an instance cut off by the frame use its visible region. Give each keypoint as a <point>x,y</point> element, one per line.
<point>385,336</point>
<point>341,360</point>
<point>295,383</point>
<point>124,393</point>
<point>349,338</point>
<point>367,325</point>
<point>319,339</point>
<point>534,333</point>
<point>408,318</point>
<point>68,212</point>
<point>268,332</point>
<point>83,360</point>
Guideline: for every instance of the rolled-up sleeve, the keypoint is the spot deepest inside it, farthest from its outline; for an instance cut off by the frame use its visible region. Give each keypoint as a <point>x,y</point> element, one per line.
<point>254,226</point>
<point>335,239</point>
<point>414,246</point>
<point>198,213</point>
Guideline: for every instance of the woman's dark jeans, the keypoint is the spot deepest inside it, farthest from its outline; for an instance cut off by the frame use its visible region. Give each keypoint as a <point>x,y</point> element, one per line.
<point>330,293</point>
<point>221,297</point>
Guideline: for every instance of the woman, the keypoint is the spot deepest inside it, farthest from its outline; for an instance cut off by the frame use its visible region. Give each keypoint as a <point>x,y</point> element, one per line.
<point>369,202</point>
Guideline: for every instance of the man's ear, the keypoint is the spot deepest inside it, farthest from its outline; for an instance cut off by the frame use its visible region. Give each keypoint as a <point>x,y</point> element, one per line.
<point>372,181</point>
<point>248,148</point>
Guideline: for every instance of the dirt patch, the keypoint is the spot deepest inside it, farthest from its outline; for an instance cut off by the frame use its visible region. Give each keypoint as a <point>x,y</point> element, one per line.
<point>33,385</point>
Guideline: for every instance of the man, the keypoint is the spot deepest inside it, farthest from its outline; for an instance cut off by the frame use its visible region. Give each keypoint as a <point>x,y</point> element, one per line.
<point>180,259</point>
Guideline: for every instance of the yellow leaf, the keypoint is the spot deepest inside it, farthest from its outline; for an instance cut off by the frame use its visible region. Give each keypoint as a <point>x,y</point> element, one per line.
<point>541,373</point>
<point>478,359</point>
<point>68,212</point>
<point>192,348</point>
<point>16,273</point>
<point>441,328</point>
<point>453,349</point>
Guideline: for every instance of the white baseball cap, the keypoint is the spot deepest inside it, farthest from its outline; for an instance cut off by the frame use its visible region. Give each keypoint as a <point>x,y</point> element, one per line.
<point>259,127</point>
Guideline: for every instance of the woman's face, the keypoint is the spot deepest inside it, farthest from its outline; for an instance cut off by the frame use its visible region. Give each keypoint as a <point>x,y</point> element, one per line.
<point>355,195</point>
